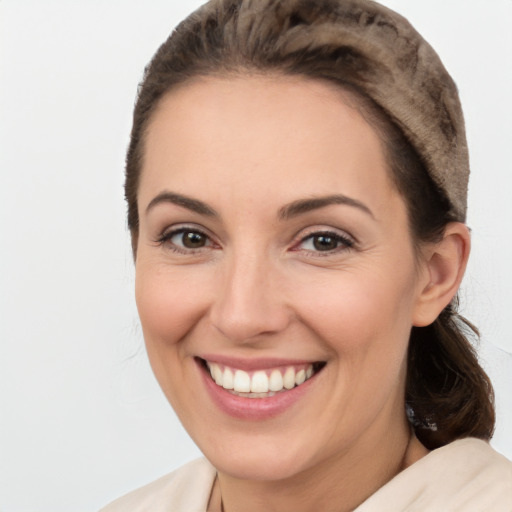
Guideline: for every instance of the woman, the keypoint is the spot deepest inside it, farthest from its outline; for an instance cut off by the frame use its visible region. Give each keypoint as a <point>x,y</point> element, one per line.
<point>296,184</point>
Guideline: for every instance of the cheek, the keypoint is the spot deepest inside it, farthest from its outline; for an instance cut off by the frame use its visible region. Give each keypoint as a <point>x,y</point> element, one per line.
<point>169,303</point>
<point>364,321</point>
<point>354,311</point>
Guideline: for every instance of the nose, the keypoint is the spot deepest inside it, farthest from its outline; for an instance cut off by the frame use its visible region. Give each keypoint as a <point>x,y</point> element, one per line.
<point>251,302</point>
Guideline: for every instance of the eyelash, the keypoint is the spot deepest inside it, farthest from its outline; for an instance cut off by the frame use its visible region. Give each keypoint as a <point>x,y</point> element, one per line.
<point>343,243</point>
<point>166,237</point>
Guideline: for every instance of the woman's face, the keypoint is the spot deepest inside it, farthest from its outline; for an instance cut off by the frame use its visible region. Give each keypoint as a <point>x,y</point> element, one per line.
<point>273,248</point>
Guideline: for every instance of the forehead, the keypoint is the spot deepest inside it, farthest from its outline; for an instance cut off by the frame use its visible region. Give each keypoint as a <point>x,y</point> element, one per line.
<point>244,134</point>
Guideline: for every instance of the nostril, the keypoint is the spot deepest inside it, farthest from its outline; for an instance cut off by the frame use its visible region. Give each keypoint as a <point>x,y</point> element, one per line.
<point>249,328</point>
<point>249,303</point>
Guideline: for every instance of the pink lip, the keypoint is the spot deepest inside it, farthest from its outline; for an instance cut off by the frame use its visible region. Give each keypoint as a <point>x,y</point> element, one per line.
<point>253,364</point>
<point>253,408</point>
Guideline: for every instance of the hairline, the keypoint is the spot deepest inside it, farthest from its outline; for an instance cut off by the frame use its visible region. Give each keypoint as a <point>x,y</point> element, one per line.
<point>349,94</point>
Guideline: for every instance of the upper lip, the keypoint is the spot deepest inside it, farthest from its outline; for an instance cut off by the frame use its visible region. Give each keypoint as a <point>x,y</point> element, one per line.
<point>252,364</point>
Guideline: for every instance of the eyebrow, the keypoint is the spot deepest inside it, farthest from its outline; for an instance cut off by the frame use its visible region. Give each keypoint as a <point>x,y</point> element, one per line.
<point>306,205</point>
<point>186,202</point>
<point>288,211</point>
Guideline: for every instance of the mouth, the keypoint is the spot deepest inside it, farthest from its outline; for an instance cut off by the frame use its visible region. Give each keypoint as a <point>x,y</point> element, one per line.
<point>260,383</point>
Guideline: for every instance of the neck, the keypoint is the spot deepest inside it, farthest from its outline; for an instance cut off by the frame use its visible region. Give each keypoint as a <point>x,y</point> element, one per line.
<point>339,484</point>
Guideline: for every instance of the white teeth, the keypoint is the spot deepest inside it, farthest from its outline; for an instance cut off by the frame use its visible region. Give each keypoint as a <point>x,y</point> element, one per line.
<point>228,379</point>
<point>260,384</point>
<point>300,377</point>
<point>216,373</point>
<point>289,378</point>
<point>242,382</point>
<point>275,382</point>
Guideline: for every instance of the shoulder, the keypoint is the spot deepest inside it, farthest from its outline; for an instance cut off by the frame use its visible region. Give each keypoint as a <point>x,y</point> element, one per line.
<point>186,489</point>
<point>473,457</point>
<point>466,475</point>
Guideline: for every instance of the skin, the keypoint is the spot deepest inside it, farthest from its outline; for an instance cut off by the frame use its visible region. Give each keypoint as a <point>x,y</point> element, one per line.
<point>247,147</point>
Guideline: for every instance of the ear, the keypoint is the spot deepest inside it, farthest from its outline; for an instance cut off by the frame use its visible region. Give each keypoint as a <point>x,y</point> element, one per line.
<point>443,265</point>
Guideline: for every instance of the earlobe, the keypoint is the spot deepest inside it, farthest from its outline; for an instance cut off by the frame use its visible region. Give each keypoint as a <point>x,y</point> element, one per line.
<point>445,263</point>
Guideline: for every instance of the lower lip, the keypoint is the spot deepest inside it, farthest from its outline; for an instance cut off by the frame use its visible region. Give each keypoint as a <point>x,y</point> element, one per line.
<point>254,408</point>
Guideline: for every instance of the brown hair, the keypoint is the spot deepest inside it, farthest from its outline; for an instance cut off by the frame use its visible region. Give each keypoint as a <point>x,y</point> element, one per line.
<point>448,395</point>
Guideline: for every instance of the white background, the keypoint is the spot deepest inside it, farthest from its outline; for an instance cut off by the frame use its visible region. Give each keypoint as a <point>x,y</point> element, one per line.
<point>81,418</point>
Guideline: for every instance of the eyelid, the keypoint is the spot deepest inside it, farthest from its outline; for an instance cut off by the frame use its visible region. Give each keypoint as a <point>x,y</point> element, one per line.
<point>169,232</point>
<point>348,241</point>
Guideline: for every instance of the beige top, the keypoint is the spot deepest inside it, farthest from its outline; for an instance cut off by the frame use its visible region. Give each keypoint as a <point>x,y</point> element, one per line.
<point>464,476</point>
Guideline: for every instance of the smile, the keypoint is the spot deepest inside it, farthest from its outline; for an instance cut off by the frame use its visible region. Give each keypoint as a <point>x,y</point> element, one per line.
<point>258,389</point>
<point>261,383</point>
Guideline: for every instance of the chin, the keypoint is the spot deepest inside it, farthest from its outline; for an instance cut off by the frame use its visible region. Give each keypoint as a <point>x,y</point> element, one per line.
<point>258,465</point>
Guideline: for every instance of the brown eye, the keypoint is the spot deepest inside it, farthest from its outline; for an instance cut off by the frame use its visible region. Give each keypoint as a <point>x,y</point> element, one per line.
<point>325,242</point>
<point>185,240</point>
<point>193,240</point>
